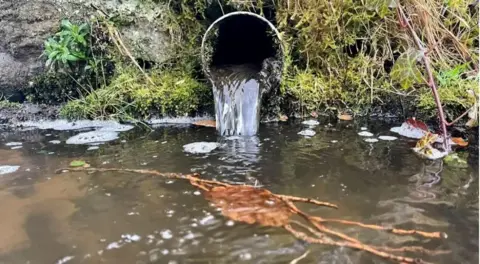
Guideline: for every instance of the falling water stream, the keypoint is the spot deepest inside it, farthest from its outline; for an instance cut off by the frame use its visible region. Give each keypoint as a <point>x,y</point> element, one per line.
<point>237,91</point>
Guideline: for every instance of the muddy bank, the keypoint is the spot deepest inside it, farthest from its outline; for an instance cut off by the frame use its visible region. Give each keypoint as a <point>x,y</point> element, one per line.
<point>12,114</point>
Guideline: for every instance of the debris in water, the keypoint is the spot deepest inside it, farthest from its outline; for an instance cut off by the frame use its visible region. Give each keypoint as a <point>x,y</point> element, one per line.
<point>387,138</point>
<point>425,149</point>
<point>54,141</point>
<point>92,137</point>
<point>246,203</point>
<point>307,133</point>
<point>459,141</point>
<point>311,122</point>
<point>13,144</point>
<point>365,134</point>
<point>200,147</point>
<point>78,163</point>
<point>411,128</point>
<point>205,123</point>
<point>5,169</point>
<point>334,141</point>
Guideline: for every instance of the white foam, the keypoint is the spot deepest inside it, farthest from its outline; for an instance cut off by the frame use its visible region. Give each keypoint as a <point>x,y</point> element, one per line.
<point>307,133</point>
<point>365,134</point>
<point>92,137</point>
<point>310,122</point>
<point>200,147</point>
<point>5,169</point>
<point>387,138</point>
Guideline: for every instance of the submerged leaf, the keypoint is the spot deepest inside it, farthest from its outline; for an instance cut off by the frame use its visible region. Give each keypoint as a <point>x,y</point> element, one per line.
<point>250,205</point>
<point>77,163</point>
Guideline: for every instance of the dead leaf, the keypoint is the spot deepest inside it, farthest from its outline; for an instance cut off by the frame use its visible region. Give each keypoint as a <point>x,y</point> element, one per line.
<point>283,118</point>
<point>417,124</point>
<point>460,141</point>
<point>206,123</point>
<point>250,205</point>
<point>345,117</point>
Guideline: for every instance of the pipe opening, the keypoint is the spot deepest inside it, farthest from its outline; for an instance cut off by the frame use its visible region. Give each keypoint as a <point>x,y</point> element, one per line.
<point>243,39</point>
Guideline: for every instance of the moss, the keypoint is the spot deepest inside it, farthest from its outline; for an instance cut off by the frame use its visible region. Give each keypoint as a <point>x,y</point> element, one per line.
<point>453,87</point>
<point>131,96</point>
<point>5,104</point>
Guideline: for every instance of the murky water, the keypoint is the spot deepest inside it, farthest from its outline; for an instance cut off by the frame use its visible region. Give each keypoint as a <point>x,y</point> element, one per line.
<point>77,217</point>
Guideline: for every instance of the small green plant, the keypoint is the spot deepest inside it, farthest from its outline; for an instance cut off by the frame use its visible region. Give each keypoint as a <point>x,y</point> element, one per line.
<point>67,46</point>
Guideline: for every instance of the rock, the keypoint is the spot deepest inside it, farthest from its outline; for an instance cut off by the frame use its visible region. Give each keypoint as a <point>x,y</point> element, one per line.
<point>26,24</point>
<point>200,147</point>
<point>92,137</point>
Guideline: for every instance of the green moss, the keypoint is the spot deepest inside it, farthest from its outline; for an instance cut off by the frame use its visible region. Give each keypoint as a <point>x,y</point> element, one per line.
<point>130,95</point>
<point>453,87</point>
<point>5,104</point>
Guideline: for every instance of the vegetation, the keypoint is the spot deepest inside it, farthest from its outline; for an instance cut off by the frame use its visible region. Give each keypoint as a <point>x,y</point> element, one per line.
<point>131,96</point>
<point>341,56</point>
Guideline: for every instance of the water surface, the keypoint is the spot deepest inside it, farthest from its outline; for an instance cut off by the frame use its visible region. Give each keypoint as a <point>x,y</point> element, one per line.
<point>78,217</point>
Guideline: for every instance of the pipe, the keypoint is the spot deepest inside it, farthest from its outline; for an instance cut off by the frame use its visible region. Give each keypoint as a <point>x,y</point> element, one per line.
<point>205,66</point>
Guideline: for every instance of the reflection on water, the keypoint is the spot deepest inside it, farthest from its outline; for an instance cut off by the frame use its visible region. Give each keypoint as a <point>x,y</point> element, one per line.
<point>112,217</point>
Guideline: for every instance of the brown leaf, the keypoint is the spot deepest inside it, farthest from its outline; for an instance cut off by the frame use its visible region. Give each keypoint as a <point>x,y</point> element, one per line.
<point>250,205</point>
<point>460,141</point>
<point>206,123</point>
<point>345,117</point>
<point>417,124</point>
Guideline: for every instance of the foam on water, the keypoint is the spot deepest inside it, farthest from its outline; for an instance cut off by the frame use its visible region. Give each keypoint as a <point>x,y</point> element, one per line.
<point>62,125</point>
<point>92,137</point>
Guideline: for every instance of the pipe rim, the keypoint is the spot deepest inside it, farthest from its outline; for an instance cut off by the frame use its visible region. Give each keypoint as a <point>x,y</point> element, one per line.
<point>206,67</point>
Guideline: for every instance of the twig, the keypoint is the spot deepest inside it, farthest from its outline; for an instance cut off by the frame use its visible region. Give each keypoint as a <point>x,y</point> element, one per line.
<point>377,227</point>
<point>295,261</point>
<point>431,80</point>
<point>458,118</point>
<point>306,200</point>
<point>305,237</point>
<point>318,231</point>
